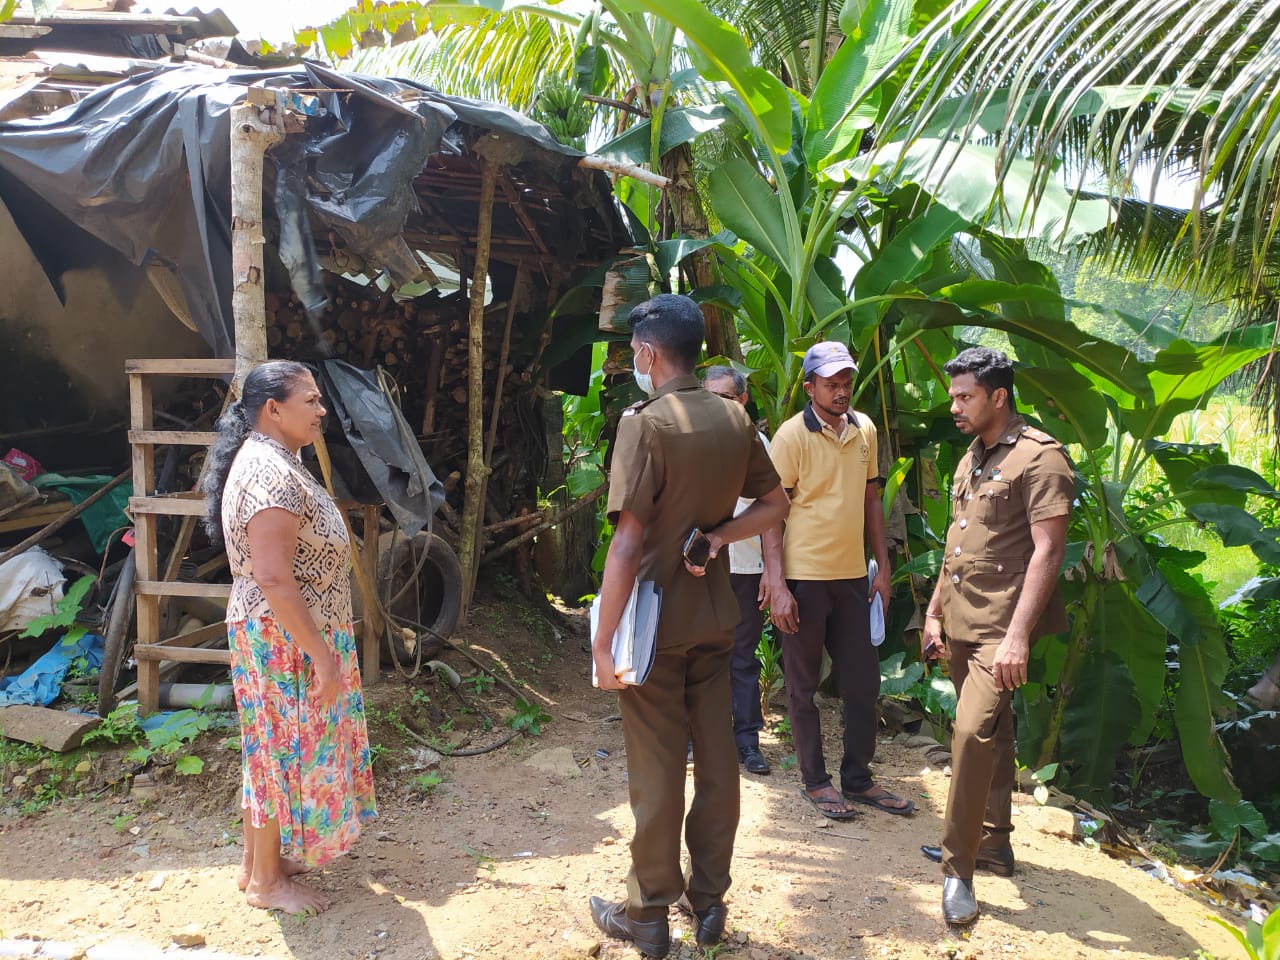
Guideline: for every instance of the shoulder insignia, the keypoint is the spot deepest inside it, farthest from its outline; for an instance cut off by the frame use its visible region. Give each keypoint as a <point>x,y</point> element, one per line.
<point>1039,436</point>
<point>635,408</point>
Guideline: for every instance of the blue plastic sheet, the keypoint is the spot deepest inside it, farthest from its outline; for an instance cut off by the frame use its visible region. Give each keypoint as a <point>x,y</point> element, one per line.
<point>41,683</point>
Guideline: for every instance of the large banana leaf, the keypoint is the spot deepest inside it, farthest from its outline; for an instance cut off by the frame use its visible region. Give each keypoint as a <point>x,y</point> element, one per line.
<point>1122,627</point>
<point>843,105</point>
<point>1183,377</point>
<point>1182,462</point>
<point>1234,478</point>
<point>903,258</point>
<point>1180,605</point>
<point>747,205</point>
<point>959,176</point>
<point>679,125</point>
<point>719,52</point>
<point>973,302</point>
<point>1097,722</point>
<point>1066,403</point>
<point>1239,528</point>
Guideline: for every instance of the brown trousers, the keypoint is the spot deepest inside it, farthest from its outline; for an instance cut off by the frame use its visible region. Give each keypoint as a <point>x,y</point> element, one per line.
<point>982,761</point>
<point>685,698</point>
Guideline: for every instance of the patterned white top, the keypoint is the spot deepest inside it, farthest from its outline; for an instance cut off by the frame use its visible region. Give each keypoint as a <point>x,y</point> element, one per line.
<point>265,475</point>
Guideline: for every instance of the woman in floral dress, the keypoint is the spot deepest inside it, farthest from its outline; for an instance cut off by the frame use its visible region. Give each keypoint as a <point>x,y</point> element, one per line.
<point>308,782</point>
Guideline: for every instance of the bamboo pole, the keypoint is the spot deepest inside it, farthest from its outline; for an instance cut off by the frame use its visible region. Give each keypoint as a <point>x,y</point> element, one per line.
<point>473,486</point>
<point>255,126</point>
<point>548,520</point>
<point>622,168</point>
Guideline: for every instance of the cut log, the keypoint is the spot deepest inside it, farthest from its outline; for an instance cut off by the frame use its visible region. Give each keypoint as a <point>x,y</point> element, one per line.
<point>54,730</point>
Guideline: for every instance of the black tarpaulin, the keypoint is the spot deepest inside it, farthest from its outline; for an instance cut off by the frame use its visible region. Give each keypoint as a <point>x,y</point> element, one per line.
<point>384,443</point>
<point>144,166</point>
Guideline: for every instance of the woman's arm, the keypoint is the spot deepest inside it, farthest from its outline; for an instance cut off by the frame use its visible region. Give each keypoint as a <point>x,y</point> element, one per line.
<point>273,540</point>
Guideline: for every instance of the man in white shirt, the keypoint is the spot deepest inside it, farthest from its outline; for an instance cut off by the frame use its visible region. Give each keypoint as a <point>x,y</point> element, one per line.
<point>746,567</point>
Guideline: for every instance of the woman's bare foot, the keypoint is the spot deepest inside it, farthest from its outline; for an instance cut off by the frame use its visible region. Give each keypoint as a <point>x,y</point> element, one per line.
<point>290,868</point>
<point>289,896</point>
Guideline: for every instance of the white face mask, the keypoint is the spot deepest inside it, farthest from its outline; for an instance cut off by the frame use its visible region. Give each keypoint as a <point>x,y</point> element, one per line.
<point>643,380</point>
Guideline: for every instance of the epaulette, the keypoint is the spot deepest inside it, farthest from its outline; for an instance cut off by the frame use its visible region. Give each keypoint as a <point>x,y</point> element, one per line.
<point>1039,436</point>
<point>636,407</point>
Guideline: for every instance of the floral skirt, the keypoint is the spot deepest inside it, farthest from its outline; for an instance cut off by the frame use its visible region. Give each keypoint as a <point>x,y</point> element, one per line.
<point>307,768</point>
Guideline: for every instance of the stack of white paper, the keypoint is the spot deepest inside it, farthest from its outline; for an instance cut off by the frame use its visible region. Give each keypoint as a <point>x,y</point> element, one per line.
<point>635,638</point>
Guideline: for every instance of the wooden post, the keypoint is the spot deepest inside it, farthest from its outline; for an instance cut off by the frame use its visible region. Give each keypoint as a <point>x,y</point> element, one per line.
<point>255,126</point>
<point>473,488</point>
<point>372,629</point>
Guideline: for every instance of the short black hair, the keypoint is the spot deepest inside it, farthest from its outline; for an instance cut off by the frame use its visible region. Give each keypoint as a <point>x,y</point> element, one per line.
<point>725,372</point>
<point>673,324</point>
<point>990,368</point>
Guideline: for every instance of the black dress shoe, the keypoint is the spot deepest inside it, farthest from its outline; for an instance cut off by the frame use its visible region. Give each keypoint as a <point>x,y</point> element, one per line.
<point>994,860</point>
<point>711,921</point>
<point>958,903</point>
<point>651,937</point>
<point>753,760</point>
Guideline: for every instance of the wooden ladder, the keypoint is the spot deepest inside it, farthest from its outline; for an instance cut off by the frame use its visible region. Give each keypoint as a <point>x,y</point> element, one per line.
<point>146,507</point>
<point>153,585</point>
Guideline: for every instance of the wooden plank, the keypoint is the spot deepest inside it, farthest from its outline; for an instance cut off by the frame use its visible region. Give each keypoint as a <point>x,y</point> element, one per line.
<point>191,438</point>
<point>36,516</point>
<point>180,588</point>
<point>141,417</point>
<point>371,628</point>
<point>156,652</point>
<point>54,730</point>
<point>168,505</point>
<point>10,31</point>
<point>182,367</point>
<point>198,637</point>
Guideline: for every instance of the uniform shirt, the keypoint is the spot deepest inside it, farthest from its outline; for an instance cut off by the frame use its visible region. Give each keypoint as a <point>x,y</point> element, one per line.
<point>997,494</point>
<point>681,460</point>
<point>263,475</point>
<point>747,556</point>
<point>827,476</point>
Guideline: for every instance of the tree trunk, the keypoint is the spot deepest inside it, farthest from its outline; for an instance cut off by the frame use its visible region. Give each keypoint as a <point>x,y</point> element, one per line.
<point>682,212</point>
<point>255,126</point>
<point>473,488</point>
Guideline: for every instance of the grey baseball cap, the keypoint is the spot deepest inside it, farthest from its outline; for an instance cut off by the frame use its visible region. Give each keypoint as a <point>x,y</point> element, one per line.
<point>828,358</point>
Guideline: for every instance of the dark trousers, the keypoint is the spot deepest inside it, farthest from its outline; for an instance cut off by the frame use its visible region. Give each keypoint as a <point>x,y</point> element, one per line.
<point>979,803</point>
<point>685,698</point>
<point>744,668</point>
<point>833,615</point>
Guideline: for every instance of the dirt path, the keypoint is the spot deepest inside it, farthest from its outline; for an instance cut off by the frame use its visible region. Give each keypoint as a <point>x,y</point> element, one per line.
<point>500,860</point>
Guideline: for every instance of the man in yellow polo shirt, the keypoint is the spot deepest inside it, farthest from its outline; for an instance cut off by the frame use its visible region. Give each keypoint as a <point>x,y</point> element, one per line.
<point>826,458</point>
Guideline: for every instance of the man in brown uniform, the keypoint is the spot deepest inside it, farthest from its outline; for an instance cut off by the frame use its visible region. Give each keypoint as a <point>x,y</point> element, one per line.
<point>997,592</point>
<point>681,460</point>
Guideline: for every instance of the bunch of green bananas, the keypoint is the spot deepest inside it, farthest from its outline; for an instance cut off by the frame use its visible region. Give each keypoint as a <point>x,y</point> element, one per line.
<point>560,108</point>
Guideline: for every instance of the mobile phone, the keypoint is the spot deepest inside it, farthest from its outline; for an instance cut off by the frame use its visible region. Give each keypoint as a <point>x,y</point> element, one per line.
<point>697,548</point>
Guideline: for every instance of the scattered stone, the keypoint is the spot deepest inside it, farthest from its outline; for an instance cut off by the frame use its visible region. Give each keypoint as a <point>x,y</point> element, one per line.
<point>84,766</point>
<point>919,742</point>
<point>144,787</point>
<point>157,883</point>
<point>938,756</point>
<point>557,761</point>
<point>19,782</point>
<point>188,936</point>
<point>1053,821</point>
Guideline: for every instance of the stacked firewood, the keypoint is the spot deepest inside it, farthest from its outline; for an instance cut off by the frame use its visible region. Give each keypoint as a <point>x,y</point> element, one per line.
<point>422,343</point>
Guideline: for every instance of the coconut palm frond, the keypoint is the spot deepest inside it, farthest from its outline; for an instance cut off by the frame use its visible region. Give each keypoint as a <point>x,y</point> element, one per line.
<point>1116,86</point>
<point>504,56</point>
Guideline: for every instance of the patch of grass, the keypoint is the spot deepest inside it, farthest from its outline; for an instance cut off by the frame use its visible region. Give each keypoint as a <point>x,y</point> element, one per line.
<point>529,717</point>
<point>425,784</point>
<point>481,860</point>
